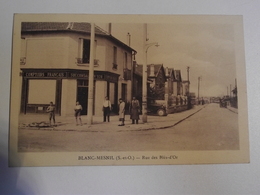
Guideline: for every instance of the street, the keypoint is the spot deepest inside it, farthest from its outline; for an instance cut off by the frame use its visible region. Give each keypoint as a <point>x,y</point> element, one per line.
<point>211,128</point>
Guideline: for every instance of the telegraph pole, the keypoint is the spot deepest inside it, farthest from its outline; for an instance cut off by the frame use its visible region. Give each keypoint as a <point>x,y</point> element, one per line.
<point>199,79</point>
<point>230,90</point>
<point>227,91</point>
<point>188,74</point>
<point>144,87</point>
<point>91,76</point>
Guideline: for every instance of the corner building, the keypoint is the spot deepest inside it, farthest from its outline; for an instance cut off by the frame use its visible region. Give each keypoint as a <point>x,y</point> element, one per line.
<point>54,66</point>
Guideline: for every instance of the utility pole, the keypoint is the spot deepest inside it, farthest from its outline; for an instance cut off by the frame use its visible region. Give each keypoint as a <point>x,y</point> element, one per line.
<point>129,39</point>
<point>91,76</point>
<point>199,79</point>
<point>188,75</point>
<point>188,91</point>
<point>230,90</point>
<point>227,91</point>
<point>144,87</point>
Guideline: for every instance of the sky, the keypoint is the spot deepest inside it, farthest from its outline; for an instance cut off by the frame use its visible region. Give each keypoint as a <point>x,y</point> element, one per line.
<point>207,48</point>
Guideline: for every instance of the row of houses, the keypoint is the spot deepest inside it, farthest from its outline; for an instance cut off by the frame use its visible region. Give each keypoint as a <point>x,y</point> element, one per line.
<point>163,84</point>
<point>54,64</point>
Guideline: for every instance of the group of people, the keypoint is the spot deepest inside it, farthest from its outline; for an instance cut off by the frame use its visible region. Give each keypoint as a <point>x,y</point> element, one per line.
<point>134,110</point>
<point>51,110</point>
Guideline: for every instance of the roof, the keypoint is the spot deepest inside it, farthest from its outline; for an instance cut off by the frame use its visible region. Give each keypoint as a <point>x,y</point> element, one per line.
<point>157,67</point>
<point>60,26</point>
<point>80,27</point>
<point>171,73</point>
<point>186,81</point>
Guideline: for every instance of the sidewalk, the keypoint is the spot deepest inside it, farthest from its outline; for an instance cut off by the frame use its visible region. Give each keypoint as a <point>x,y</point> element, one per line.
<point>235,110</point>
<point>40,122</point>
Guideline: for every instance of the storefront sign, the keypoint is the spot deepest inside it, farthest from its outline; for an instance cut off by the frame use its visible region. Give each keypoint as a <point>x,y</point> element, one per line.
<point>70,74</point>
<point>45,75</point>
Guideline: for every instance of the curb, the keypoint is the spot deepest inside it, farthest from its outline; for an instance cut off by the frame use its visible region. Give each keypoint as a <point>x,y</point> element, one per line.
<point>165,127</point>
<point>145,129</point>
<point>232,111</point>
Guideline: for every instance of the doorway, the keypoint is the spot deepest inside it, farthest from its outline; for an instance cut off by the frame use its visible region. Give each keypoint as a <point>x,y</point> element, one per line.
<point>82,95</point>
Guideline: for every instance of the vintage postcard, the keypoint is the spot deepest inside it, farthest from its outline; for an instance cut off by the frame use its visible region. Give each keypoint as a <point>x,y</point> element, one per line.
<point>128,90</point>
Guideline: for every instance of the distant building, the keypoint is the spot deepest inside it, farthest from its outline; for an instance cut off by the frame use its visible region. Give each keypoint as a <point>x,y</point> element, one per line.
<point>178,81</point>
<point>185,87</point>
<point>171,85</point>
<point>156,79</point>
<point>55,65</point>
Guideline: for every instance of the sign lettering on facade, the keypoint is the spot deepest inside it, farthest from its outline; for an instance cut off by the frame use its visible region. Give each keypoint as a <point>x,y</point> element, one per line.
<point>70,75</point>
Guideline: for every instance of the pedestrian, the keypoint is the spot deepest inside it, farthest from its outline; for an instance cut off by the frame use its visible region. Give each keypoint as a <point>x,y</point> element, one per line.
<point>51,111</point>
<point>134,110</point>
<point>106,109</point>
<point>78,109</point>
<point>121,112</point>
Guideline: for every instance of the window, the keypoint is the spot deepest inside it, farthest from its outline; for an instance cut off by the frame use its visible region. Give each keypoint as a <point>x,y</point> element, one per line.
<point>86,51</point>
<point>114,57</point>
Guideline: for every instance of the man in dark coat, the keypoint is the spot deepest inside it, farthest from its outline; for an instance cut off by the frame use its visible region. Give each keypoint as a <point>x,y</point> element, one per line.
<point>134,110</point>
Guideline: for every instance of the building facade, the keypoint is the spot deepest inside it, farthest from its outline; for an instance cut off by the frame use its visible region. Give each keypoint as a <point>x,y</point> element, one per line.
<point>55,66</point>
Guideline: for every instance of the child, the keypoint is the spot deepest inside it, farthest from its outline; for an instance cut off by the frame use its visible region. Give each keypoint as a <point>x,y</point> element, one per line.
<point>51,111</point>
<point>78,109</point>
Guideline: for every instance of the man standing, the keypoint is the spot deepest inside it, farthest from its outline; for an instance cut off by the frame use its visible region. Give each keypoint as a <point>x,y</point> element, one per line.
<point>51,111</point>
<point>134,110</point>
<point>121,112</point>
<point>106,109</point>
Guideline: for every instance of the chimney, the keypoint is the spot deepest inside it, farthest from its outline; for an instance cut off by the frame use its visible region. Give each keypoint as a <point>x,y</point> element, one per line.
<point>152,70</point>
<point>129,38</point>
<point>109,28</point>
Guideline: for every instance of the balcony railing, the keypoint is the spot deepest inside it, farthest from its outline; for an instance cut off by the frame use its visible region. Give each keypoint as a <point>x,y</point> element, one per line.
<point>79,61</point>
<point>114,66</point>
<point>22,60</point>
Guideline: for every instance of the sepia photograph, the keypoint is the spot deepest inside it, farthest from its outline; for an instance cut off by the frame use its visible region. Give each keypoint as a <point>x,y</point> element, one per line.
<point>127,90</point>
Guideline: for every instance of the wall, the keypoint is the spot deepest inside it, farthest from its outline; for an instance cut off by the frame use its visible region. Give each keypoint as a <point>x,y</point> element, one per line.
<point>178,179</point>
<point>38,94</point>
<point>69,93</point>
<point>100,94</point>
<point>45,52</point>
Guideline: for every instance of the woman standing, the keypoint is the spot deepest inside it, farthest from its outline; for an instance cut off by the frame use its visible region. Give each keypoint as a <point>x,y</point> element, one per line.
<point>134,110</point>
<point>121,112</point>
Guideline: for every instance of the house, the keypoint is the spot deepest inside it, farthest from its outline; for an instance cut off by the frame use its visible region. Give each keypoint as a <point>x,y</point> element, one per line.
<point>54,67</point>
<point>156,80</point>
<point>178,83</point>
<point>185,86</point>
<point>171,86</point>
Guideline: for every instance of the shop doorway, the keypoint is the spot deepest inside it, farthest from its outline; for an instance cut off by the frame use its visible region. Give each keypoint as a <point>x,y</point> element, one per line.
<point>82,95</point>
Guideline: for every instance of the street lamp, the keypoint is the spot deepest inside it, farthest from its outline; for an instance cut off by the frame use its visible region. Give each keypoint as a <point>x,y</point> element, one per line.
<point>144,98</point>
